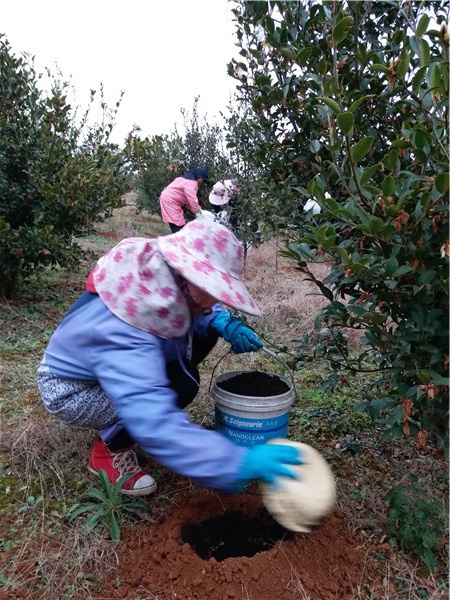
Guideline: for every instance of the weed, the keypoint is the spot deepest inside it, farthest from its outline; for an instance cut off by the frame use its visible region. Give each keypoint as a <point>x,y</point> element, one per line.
<point>417,521</point>
<point>111,505</point>
<point>5,545</point>
<point>32,504</point>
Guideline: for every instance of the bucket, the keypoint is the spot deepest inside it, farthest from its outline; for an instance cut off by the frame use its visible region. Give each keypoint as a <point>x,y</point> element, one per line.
<point>248,419</point>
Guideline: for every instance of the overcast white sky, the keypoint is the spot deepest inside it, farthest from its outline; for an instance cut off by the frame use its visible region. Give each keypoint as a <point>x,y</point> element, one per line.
<point>161,53</point>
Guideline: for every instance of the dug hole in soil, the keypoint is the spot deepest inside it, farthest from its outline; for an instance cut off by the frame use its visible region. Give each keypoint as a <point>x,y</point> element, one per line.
<point>219,547</point>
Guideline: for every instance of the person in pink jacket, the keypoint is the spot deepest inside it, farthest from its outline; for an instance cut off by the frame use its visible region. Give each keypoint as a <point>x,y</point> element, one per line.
<point>182,191</point>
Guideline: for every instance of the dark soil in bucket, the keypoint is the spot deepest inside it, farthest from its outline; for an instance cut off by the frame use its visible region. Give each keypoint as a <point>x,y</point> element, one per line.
<point>254,383</point>
<point>233,534</point>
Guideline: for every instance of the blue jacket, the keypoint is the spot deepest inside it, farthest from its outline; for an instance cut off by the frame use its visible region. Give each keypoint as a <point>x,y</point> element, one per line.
<point>93,344</point>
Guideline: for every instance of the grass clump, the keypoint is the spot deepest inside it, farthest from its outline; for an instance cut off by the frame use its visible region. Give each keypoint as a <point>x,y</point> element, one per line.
<point>110,508</point>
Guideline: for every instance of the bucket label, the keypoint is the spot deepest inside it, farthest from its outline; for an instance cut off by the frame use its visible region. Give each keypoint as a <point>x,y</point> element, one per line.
<point>244,431</point>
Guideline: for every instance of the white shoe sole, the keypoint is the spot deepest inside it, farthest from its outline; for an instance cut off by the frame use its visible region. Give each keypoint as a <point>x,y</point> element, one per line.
<point>146,491</point>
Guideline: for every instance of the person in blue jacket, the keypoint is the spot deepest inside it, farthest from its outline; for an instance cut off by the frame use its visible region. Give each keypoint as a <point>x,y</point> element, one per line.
<point>124,359</point>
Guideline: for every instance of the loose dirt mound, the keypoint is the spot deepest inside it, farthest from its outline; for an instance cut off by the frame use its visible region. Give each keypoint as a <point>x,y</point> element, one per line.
<point>325,565</point>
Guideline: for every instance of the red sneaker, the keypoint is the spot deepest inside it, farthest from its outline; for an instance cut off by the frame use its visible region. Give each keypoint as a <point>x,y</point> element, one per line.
<point>121,462</point>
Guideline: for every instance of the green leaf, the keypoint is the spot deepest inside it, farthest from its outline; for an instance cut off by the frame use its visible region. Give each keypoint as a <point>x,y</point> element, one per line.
<point>331,204</point>
<point>418,79</point>
<point>400,144</point>
<point>358,102</point>
<point>442,182</point>
<point>438,379</point>
<point>340,31</point>
<point>302,250</point>
<point>80,510</point>
<point>427,277</point>
<point>303,56</point>
<point>374,318</point>
<point>330,87</point>
<point>391,266</point>
<point>390,160</point>
<point>114,528</point>
<point>379,68</point>
<point>325,291</point>
<point>402,270</point>
<point>435,78</point>
<point>391,284</point>
<point>392,211</point>
<point>397,432</point>
<point>301,190</point>
<point>421,139</point>
<point>345,121</point>
<point>378,405</point>
<point>331,104</point>
<point>93,521</point>
<point>424,52</point>
<point>420,155</point>
<point>402,66</point>
<point>98,495</point>
<point>342,253</point>
<point>362,227</point>
<point>428,558</point>
<point>388,185</point>
<point>288,52</point>
<point>106,484</point>
<point>314,146</point>
<point>375,224</point>
<point>311,185</point>
<point>423,25</point>
<point>359,150</point>
<point>368,174</point>
<point>322,66</point>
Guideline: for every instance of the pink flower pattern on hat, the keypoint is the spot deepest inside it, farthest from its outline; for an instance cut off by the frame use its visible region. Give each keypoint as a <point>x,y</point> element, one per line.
<point>210,256</point>
<point>131,307</point>
<point>199,245</point>
<point>135,280</point>
<point>203,267</point>
<point>137,285</point>
<point>124,283</point>
<point>147,274</point>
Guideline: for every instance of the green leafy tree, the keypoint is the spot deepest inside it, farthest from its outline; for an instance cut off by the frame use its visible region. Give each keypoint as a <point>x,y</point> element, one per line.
<point>350,108</point>
<point>155,163</point>
<point>57,176</point>
<point>204,146</point>
<point>246,214</point>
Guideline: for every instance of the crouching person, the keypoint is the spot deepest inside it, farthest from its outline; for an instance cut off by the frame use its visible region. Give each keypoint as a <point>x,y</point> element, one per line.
<point>124,359</point>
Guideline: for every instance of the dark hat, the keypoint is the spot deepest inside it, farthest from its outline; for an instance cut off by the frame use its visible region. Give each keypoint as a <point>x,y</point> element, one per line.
<point>201,173</point>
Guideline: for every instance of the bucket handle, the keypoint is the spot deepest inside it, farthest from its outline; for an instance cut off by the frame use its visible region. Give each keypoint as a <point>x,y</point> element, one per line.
<point>282,362</point>
<point>273,355</point>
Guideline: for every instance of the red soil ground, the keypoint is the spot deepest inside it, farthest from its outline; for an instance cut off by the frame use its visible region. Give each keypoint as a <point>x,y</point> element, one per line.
<point>327,564</point>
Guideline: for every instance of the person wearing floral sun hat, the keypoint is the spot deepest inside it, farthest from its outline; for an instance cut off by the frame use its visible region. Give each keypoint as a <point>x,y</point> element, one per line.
<point>124,359</point>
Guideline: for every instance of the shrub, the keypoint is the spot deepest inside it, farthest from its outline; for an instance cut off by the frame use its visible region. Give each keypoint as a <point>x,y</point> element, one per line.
<point>57,176</point>
<point>350,108</point>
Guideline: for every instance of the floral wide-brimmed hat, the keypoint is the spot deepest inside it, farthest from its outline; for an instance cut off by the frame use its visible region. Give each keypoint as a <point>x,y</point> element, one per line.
<point>210,256</point>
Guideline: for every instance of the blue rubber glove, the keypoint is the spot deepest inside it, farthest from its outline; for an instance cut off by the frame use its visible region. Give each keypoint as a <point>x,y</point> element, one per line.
<point>269,462</point>
<point>241,337</point>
